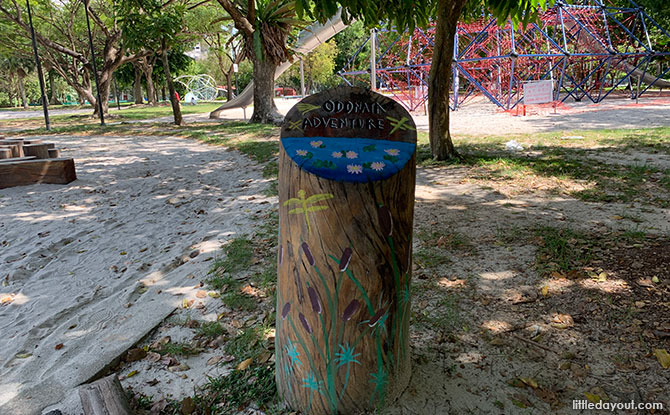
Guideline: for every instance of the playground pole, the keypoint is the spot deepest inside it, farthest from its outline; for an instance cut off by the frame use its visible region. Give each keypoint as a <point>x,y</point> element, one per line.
<point>95,67</point>
<point>302,78</point>
<point>373,60</point>
<point>39,68</point>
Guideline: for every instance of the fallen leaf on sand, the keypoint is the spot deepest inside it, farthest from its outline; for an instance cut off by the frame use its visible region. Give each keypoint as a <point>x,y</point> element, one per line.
<point>214,360</point>
<point>201,294</point>
<point>530,382</point>
<point>663,358</point>
<point>545,291</point>
<point>592,397</point>
<point>562,321</point>
<point>59,346</point>
<point>134,355</point>
<point>131,374</point>
<point>153,382</point>
<point>187,406</point>
<point>158,407</point>
<point>186,303</point>
<point>245,364</point>
<point>6,299</point>
<point>23,355</point>
<point>124,253</point>
<point>153,356</point>
<point>213,294</point>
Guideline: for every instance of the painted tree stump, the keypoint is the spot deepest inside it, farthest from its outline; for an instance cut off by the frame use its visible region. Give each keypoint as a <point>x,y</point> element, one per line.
<point>347,169</point>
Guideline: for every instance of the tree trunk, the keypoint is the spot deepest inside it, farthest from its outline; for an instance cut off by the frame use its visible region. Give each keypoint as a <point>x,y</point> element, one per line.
<point>22,92</point>
<point>163,93</point>
<point>229,85</point>
<point>53,100</point>
<point>138,86</point>
<point>147,68</point>
<point>176,110</point>
<point>441,146</point>
<point>265,111</point>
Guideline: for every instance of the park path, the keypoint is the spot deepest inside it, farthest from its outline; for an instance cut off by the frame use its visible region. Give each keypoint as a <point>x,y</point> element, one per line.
<point>89,268</point>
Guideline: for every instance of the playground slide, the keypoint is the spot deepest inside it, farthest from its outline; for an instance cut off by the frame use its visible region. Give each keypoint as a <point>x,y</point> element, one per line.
<point>647,78</point>
<point>309,40</point>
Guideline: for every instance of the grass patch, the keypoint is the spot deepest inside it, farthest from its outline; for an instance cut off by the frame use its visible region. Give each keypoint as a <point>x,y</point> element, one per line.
<point>445,316</point>
<point>430,257</point>
<point>226,395</point>
<point>561,250</point>
<point>249,343</point>
<point>240,301</point>
<point>211,329</point>
<point>237,257</point>
<point>177,349</point>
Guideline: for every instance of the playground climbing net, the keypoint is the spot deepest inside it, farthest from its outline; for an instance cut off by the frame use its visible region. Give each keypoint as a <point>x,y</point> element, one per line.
<point>589,50</point>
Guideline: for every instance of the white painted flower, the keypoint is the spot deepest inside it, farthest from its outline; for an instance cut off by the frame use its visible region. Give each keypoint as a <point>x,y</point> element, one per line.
<point>378,165</point>
<point>355,168</point>
<point>315,144</point>
<point>352,154</point>
<point>392,151</point>
<point>301,152</point>
<point>336,154</point>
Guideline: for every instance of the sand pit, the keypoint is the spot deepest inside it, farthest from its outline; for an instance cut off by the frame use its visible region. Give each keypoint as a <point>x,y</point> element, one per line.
<point>89,268</point>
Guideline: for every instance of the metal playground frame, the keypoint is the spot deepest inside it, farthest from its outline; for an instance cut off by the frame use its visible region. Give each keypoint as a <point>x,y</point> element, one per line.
<point>589,50</point>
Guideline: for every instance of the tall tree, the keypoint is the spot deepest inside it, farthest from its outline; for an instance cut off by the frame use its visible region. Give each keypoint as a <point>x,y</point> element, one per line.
<point>265,26</point>
<point>445,13</point>
<point>60,33</point>
<point>154,26</point>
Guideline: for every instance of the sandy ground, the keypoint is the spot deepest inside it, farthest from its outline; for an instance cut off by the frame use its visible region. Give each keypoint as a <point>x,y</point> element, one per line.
<point>468,366</point>
<point>92,266</point>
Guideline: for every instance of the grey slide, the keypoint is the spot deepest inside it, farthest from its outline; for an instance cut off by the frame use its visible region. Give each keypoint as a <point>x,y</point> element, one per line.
<point>309,40</point>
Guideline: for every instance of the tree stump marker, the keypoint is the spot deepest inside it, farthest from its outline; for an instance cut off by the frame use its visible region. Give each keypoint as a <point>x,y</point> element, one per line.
<point>347,169</point>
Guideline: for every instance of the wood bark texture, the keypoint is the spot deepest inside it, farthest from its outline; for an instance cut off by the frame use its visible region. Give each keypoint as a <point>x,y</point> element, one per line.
<point>104,397</point>
<point>20,173</point>
<point>345,252</point>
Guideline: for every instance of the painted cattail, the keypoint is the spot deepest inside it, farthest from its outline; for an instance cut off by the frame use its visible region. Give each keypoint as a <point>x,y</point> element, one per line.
<point>314,298</point>
<point>298,285</point>
<point>385,220</point>
<point>305,323</point>
<point>308,253</point>
<point>375,319</point>
<point>285,310</point>
<point>346,258</point>
<point>351,309</point>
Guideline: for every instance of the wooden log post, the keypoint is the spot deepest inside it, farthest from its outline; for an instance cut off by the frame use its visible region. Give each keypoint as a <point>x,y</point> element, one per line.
<point>104,397</point>
<point>347,169</point>
<point>54,153</point>
<point>5,153</point>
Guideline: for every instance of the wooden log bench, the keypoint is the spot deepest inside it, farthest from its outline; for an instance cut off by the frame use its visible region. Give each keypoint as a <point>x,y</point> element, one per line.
<point>25,172</point>
<point>39,150</point>
<point>5,153</point>
<point>15,145</point>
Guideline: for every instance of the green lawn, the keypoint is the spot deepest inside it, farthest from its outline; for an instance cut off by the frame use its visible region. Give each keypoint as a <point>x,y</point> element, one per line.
<point>134,113</point>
